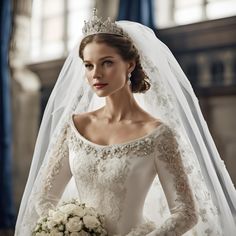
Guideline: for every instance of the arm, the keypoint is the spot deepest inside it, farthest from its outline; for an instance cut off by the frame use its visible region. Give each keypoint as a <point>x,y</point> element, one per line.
<point>53,176</point>
<point>176,186</point>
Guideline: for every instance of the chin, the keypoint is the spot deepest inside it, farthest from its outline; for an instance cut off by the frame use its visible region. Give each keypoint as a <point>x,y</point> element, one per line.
<point>102,94</point>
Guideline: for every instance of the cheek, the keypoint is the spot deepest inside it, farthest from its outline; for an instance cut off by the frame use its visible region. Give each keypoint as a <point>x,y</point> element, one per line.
<point>88,76</point>
<point>118,73</point>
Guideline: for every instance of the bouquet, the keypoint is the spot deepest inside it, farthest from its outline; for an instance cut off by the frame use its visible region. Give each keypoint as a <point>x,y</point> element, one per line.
<point>71,218</point>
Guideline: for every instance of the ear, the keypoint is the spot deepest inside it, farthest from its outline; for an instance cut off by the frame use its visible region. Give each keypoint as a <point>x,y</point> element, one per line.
<point>131,66</point>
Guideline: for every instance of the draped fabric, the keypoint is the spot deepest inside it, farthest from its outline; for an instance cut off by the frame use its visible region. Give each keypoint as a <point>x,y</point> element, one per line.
<point>7,217</point>
<point>141,11</point>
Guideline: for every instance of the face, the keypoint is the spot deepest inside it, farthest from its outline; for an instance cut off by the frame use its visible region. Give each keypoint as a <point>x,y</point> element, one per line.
<point>106,71</point>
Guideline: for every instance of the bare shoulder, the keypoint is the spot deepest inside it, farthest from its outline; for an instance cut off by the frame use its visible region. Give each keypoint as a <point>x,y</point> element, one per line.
<point>152,122</point>
<point>82,120</point>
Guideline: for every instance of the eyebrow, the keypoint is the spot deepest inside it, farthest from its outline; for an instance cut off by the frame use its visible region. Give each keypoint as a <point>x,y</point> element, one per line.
<point>102,58</point>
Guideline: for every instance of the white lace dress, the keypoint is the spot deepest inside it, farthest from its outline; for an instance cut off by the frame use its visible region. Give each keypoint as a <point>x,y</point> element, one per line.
<point>115,179</point>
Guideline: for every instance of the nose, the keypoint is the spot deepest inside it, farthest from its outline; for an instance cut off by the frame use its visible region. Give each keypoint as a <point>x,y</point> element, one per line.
<point>97,73</point>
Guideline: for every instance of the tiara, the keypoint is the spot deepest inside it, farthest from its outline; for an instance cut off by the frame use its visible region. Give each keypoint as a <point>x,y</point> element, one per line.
<point>96,26</point>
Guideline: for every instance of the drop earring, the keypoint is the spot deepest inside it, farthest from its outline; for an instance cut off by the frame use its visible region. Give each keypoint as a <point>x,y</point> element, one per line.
<point>129,81</point>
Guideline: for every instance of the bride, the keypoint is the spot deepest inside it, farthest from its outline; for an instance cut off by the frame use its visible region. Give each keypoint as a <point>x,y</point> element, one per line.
<point>123,132</point>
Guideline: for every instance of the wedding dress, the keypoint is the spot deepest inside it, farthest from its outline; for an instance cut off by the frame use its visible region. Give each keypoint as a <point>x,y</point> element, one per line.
<point>115,180</point>
<point>171,181</point>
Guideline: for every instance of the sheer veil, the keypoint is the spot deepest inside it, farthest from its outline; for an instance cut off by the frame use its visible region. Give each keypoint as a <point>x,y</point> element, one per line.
<point>171,99</point>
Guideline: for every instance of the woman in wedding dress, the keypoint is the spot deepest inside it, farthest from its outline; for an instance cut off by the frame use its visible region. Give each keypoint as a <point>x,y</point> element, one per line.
<point>123,133</point>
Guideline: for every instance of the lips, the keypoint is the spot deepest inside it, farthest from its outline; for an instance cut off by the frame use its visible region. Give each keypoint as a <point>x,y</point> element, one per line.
<point>100,85</point>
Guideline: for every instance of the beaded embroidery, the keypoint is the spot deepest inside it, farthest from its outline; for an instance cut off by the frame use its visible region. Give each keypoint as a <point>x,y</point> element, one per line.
<point>186,210</point>
<point>108,167</point>
<point>140,147</point>
<point>100,176</point>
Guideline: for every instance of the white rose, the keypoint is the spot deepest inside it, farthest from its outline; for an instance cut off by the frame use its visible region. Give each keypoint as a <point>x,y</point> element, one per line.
<point>59,217</point>
<point>91,222</point>
<point>78,211</point>
<point>44,226</point>
<point>102,219</point>
<point>77,201</point>
<point>67,208</point>
<point>66,233</point>
<point>74,224</point>
<point>83,233</point>
<point>42,219</point>
<point>61,227</point>
<point>51,224</point>
<point>90,211</point>
<point>101,230</point>
<point>73,209</point>
<point>41,234</point>
<point>74,234</point>
<point>55,232</point>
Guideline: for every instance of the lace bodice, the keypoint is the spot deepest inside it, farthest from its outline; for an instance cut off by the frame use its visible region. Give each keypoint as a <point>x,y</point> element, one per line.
<point>115,179</point>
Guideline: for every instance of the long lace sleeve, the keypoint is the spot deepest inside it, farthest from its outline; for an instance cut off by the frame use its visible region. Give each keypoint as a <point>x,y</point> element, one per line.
<point>50,183</point>
<point>175,184</point>
<point>55,175</point>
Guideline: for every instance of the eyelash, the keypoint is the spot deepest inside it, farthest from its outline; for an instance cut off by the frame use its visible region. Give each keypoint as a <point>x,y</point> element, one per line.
<point>109,62</point>
<point>88,65</point>
<point>104,62</point>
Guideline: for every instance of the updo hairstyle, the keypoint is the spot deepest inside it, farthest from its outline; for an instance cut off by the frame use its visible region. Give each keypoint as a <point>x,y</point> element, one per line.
<point>128,52</point>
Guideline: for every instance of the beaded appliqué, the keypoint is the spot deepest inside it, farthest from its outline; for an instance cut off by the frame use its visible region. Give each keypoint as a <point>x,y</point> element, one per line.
<point>55,163</point>
<point>140,147</point>
<point>186,211</point>
<point>59,151</point>
<point>102,183</point>
<point>108,167</point>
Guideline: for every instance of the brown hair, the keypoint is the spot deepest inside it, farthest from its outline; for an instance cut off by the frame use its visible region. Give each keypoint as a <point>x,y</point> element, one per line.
<point>128,52</point>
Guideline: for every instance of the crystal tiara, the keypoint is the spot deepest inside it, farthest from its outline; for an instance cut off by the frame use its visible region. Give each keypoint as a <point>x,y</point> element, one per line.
<point>96,26</point>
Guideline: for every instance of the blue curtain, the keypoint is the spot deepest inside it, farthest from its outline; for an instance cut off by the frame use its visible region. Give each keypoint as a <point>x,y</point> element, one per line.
<point>137,10</point>
<point>7,218</point>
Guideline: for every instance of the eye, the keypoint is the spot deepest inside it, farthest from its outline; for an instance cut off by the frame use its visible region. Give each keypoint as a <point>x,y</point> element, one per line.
<point>88,66</point>
<point>107,63</point>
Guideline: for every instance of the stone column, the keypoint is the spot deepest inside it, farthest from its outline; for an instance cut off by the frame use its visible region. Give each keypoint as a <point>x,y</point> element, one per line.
<point>25,87</point>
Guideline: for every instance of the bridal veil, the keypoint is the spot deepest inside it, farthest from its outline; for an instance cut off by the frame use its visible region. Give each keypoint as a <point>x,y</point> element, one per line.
<point>171,99</point>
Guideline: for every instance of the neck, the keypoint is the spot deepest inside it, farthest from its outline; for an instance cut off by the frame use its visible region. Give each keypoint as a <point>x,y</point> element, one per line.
<point>120,106</point>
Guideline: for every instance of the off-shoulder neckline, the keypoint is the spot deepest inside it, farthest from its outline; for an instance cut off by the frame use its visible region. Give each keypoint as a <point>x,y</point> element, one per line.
<point>129,142</point>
